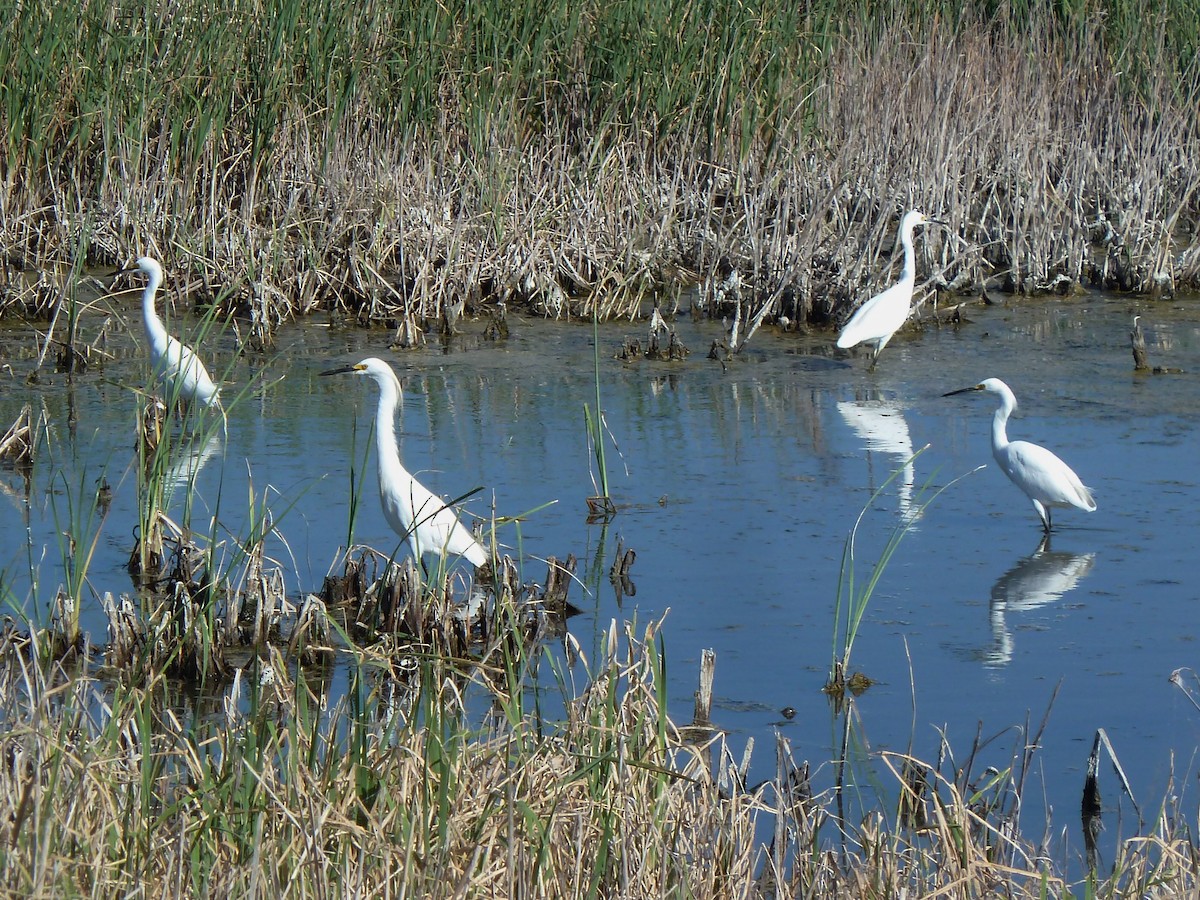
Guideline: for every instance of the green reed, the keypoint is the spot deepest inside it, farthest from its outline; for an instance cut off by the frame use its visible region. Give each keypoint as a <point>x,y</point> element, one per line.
<point>325,148</point>
<point>102,77</point>
<point>853,595</point>
<point>79,528</point>
<point>595,426</point>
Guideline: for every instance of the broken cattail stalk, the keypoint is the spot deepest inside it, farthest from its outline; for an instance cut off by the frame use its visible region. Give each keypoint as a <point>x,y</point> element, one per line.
<point>702,715</point>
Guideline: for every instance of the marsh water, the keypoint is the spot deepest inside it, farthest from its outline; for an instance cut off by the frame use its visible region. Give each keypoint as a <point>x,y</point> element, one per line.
<point>737,486</point>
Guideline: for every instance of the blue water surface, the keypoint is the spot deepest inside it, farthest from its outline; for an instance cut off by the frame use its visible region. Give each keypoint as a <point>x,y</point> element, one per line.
<point>737,485</point>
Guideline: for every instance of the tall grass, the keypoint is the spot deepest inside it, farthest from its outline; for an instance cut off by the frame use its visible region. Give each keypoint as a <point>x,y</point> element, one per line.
<point>400,789</point>
<point>400,161</point>
<point>600,504</point>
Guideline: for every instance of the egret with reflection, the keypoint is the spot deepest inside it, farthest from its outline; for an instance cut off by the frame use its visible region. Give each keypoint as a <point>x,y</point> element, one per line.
<point>879,318</point>
<point>415,513</point>
<point>1046,480</point>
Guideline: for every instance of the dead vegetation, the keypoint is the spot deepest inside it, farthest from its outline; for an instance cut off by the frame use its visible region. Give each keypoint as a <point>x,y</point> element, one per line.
<point>1055,170</point>
<point>403,787</point>
<point>18,445</point>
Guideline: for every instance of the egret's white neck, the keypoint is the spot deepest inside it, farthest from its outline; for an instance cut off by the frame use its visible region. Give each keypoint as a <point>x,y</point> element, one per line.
<point>1000,421</point>
<point>155,329</point>
<point>385,428</point>
<point>1000,429</point>
<point>910,257</point>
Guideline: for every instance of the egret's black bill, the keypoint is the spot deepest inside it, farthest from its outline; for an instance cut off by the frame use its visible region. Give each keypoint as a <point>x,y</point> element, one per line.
<point>342,370</point>
<point>966,390</point>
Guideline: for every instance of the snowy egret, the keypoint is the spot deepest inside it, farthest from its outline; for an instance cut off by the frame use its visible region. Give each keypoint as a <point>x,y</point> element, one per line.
<point>880,317</point>
<point>413,512</point>
<point>177,368</point>
<point>1046,480</point>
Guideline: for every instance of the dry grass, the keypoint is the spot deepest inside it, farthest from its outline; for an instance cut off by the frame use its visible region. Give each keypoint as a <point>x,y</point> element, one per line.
<point>1055,166</point>
<point>111,787</point>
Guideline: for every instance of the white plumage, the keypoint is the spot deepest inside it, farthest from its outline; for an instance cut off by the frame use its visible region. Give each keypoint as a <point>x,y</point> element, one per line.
<point>879,318</point>
<point>1046,480</point>
<point>176,367</point>
<point>413,512</point>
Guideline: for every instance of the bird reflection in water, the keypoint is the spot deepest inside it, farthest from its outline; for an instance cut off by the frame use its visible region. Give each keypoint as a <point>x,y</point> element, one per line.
<point>880,426</point>
<point>187,460</point>
<point>1039,579</point>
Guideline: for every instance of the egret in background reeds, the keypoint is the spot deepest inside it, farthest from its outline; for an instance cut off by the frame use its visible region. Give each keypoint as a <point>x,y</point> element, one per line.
<point>1046,480</point>
<point>413,512</point>
<point>176,367</point>
<point>880,317</point>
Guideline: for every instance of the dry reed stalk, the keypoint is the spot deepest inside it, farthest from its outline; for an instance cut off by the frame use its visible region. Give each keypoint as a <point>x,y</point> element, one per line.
<point>1051,171</point>
<point>18,444</point>
<point>110,789</point>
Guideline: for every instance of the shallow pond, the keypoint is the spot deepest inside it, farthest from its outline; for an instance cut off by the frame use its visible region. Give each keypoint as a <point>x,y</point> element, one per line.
<point>737,488</point>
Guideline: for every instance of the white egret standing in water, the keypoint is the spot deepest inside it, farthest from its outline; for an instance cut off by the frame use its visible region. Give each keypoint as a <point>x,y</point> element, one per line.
<point>1046,480</point>
<point>177,368</point>
<point>412,511</point>
<point>880,317</point>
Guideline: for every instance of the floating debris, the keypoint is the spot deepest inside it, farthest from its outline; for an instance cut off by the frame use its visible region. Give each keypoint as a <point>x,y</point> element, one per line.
<point>600,509</point>
<point>951,315</point>
<point>18,445</point>
<point>1137,343</point>
<point>497,326</point>
<point>558,581</point>
<point>719,351</point>
<point>839,685</point>
<point>618,575</point>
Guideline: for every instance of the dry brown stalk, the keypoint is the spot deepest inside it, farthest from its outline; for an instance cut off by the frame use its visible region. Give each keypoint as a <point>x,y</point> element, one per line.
<point>111,790</point>
<point>1052,174</point>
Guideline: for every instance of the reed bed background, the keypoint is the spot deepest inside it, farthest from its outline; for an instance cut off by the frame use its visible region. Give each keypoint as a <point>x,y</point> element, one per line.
<point>403,163</point>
